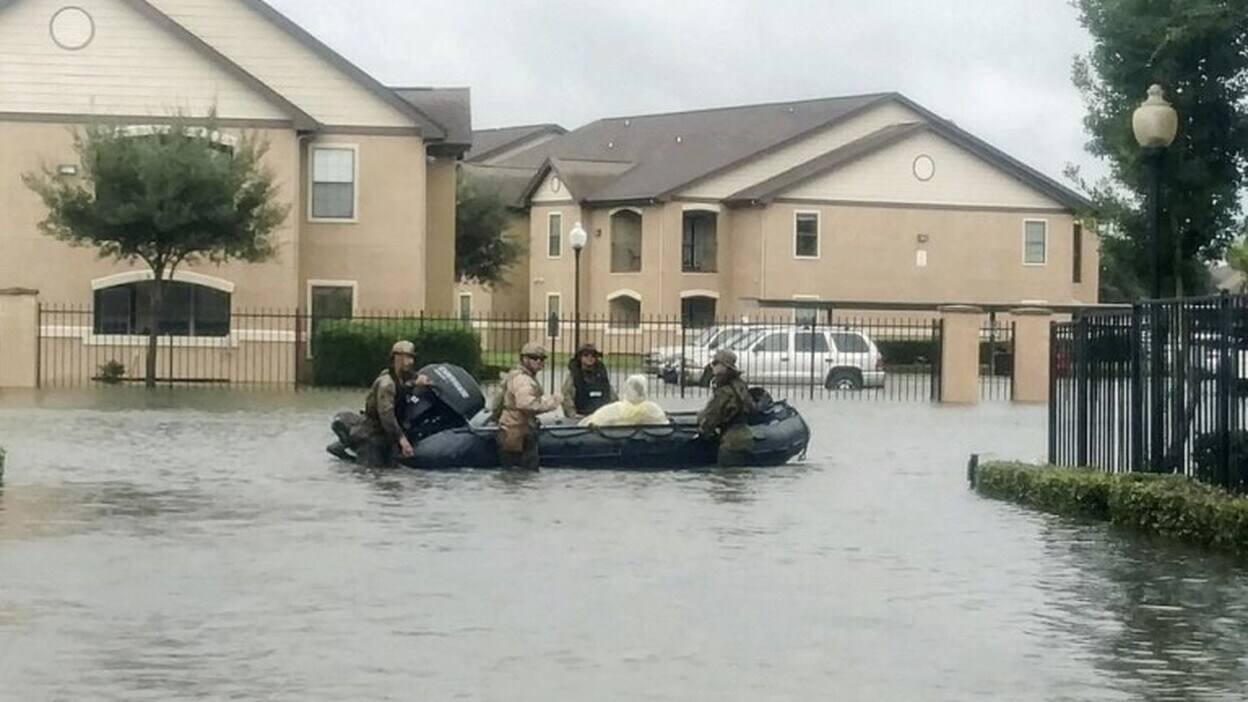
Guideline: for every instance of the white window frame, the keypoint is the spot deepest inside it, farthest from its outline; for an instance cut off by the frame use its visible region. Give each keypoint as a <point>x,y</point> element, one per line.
<point>326,283</point>
<point>818,234</point>
<point>797,322</point>
<point>553,296</point>
<point>1044,262</point>
<point>632,294</point>
<point>550,216</point>
<point>459,308</point>
<point>355,182</point>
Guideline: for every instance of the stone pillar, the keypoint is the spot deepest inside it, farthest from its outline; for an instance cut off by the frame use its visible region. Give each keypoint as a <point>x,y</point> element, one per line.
<point>1031,354</point>
<point>19,338</point>
<point>959,354</point>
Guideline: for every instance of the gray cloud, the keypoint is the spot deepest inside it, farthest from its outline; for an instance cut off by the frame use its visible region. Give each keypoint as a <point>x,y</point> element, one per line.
<point>999,68</point>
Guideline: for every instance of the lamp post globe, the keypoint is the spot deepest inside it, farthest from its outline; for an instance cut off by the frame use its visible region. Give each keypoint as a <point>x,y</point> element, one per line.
<point>578,238</point>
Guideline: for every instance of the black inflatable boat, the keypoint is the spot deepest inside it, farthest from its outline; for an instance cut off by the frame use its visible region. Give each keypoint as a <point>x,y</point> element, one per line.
<point>448,429</point>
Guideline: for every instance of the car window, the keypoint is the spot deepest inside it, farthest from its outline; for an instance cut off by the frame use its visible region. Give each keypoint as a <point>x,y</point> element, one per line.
<point>807,342</point>
<point>850,343</point>
<point>774,342</point>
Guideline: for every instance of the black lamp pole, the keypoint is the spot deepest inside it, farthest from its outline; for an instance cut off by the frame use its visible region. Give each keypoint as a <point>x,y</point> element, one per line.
<point>576,297</point>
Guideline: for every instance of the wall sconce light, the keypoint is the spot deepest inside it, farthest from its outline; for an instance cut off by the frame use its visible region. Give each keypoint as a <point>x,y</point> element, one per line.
<point>67,169</point>
<point>598,232</point>
<point>921,238</point>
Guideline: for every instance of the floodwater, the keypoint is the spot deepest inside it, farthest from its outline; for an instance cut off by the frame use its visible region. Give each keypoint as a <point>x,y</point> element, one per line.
<point>201,545</point>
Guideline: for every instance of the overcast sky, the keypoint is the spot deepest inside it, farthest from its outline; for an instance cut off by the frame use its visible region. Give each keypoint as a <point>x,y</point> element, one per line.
<point>999,68</point>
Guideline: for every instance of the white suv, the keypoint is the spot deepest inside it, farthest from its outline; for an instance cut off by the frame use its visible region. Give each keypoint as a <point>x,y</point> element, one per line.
<point>706,339</point>
<point>838,359</point>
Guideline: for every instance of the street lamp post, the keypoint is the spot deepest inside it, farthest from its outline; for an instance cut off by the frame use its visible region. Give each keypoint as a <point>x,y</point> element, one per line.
<point>578,238</point>
<point>1155,123</point>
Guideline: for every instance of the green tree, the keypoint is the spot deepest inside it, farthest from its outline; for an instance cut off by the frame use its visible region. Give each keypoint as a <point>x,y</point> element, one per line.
<point>483,249</point>
<point>1197,51</point>
<point>167,197</point>
<point>1237,259</point>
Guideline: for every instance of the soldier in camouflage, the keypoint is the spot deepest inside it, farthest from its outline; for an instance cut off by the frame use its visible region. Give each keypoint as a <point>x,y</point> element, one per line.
<point>379,435</point>
<point>519,404</point>
<point>724,417</point>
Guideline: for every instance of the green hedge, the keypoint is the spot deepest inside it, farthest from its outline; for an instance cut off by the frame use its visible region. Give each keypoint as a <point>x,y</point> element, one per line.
<point>908,352</point>
<point>1164,505</point>
<point>350,352</point>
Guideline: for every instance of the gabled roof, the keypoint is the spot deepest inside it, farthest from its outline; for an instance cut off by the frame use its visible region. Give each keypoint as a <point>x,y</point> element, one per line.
<point>854,150</point>
<point>509,183</point>
<point>582,178</point>
<point>431,129</point>
<point>488,142</point>
<point>449,112</point>
<point>672,151</point>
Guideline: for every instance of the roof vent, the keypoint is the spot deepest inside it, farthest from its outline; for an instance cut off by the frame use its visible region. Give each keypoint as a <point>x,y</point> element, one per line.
<point>790,109</point>
<point>610,144</point>
<point>679,139</point>
<point>627,122</point>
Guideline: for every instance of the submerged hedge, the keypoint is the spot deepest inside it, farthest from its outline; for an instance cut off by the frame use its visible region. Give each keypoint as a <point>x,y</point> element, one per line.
<point>1165,505</point>
<point>351,352</point>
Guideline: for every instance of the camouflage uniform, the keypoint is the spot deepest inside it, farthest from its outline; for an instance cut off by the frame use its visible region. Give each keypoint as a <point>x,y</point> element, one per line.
<point>520,403</point>
<point>725,415</point>
<point>376,438</point>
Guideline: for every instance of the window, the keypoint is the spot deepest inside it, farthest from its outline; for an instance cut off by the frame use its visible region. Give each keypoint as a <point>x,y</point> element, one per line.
<point>189,310</point>
<point>625,312</point>
<point>806,235</point>
<point>698,242</point>
<point>1076,273</point>
<point>807,342</point>
<point>465,306</point>
<point>697,311</point>
<point>850,343</point>
<point>1035,242</point>
<point>626,242</point>
<point>328,302</point>
<point>554,235</point>
<point>333,183</point>
<point>554,305</point>
<point>774,343</point>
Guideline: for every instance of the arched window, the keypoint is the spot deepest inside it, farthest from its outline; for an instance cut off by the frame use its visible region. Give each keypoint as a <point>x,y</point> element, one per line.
<point>190,309</point>
<point>626,242</point>
<point>624,310</point>
<point>697,311</point>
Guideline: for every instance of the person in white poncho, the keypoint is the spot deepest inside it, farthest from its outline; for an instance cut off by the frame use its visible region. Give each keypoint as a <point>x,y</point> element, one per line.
<point>630,410</point>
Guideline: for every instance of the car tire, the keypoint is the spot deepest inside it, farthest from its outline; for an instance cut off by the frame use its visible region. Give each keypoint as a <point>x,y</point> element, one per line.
<point>843,379</point>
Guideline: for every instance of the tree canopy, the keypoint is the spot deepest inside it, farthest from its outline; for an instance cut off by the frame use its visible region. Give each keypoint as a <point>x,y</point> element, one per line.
<point>1197,50</point>
<point>167,196</point>
<point>484,251</point>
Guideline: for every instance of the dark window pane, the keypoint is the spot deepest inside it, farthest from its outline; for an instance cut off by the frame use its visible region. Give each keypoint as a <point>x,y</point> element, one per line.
<point>807,235</point>
<point>808,342</point>
<point>850,343</point>
<point>775,343</point>
<point>333,200</point>
<point>114,310</point>
<point>212,312</point>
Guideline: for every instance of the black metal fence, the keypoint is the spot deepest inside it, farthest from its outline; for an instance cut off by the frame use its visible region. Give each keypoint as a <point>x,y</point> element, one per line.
<point>817,356</point>
<point>996,360</point>
<point>1159,388</point>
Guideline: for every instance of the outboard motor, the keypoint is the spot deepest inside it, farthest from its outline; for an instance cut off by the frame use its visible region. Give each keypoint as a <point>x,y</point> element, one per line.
<point>454,399</point>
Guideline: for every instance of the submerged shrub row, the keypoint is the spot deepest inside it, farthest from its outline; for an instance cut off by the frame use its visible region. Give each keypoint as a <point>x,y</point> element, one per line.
<point>1166,505</point>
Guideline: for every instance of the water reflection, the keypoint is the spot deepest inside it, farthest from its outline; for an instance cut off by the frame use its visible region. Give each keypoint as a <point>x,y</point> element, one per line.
<point>1166,621</point>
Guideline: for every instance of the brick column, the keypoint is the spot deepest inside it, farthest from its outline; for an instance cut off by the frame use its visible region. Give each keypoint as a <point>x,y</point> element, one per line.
<point>959,354</point>
<point>1031,354</point>
<point>19,338</point>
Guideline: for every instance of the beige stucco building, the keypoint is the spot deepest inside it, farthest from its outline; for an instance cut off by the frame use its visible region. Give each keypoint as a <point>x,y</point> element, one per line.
<point>854,199</point>
<point>368,171</point>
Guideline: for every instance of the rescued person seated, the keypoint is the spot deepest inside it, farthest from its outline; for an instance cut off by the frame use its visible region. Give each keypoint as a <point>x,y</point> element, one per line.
<point>631,409</point>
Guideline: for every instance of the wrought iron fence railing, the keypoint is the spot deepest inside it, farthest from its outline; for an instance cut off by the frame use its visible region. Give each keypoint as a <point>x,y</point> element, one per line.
<point>1160,388</point>
<point>843,357</point>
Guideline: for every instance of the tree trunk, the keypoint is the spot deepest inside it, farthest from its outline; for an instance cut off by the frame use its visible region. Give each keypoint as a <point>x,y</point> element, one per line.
<point>157,299</point>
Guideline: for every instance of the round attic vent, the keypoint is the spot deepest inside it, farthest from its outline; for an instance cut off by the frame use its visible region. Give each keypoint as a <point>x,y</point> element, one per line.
<point>72,28</point>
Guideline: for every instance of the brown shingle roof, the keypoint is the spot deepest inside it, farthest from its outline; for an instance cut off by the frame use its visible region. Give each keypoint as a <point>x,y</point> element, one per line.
<point>450,111</point>
<point>488,142</point>
<point>672,151</point>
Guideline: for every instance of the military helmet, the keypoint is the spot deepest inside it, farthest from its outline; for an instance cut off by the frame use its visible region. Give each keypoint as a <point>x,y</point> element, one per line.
<point>533,350</point>
<point>405,348</point>
<point>725,358</point>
